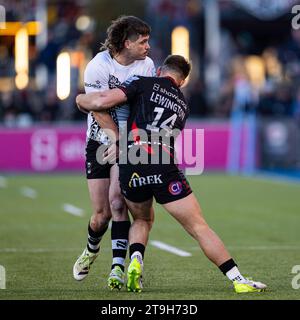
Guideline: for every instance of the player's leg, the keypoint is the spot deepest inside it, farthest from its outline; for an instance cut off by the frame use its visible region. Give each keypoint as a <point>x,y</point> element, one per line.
<point>98,186</point>
<point>188,213</point>
<point>143,217</point>
<point>97,226</point>
<point>119,230</point>
<point>139,201</point>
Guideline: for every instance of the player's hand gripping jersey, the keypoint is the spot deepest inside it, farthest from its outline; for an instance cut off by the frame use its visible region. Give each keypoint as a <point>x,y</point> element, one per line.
<point>102,73</point>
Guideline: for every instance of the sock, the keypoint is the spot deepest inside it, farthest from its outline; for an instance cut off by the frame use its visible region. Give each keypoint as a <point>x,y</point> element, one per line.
<point>138,250</point>
<point>230,269</point>
<point>234,274</point>
<point>94,238</point>
<point>119,239</point>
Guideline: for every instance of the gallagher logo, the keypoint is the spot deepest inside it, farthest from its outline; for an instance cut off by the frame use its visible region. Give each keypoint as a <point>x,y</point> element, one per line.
<point>175,188</point>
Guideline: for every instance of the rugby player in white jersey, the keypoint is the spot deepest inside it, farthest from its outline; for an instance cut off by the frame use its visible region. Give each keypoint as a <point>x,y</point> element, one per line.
<point>123,55</point>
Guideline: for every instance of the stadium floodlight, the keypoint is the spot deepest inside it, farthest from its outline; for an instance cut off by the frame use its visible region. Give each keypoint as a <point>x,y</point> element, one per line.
<point>63,75</point>
<point>21,58</point>
<point>180,39</point>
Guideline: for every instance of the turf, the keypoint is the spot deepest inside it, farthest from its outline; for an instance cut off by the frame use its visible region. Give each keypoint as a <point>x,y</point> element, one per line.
<point>257,219</point>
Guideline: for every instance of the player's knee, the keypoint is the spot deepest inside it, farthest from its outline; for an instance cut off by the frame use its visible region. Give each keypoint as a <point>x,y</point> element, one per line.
<point>150,222</point>
<point>199,229</point>
<point>146,221</point>
<point>99,222</point>
<point>101,214</point>
<point>117,204</point>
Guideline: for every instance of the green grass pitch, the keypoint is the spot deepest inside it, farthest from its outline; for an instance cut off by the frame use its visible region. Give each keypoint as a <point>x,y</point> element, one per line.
<point>259,221</point>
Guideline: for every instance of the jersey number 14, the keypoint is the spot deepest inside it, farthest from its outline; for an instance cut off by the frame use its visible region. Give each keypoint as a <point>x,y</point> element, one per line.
<point>167,124</point>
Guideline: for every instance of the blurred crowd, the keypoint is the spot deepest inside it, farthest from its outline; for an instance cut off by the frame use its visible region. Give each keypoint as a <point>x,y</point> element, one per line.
<point>38,102</point>
<point>268,83</point>
<point>265,80</point>
<point>255,74</point>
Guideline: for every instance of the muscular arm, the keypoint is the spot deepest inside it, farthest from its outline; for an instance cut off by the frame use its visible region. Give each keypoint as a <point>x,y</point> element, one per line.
<point>98,102</point>
<point>106,122</point>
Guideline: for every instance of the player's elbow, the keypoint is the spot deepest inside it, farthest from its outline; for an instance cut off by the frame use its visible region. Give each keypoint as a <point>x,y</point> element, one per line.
<point>78,100</point>
<point>79,105</point>
<point>98,104</point>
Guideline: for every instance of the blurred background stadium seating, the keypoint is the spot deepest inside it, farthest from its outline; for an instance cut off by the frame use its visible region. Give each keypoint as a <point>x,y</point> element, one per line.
<point>245,83</point>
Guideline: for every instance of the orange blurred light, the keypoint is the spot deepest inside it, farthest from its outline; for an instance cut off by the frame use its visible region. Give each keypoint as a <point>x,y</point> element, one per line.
<point>21,80</point>
<point>63,75</point>
<point>256,70</point>
<point>181,44</point>
<point>11,28</point>
<point>21,50</point>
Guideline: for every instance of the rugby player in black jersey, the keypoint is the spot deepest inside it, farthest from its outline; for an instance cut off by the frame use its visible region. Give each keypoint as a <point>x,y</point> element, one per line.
<point>158,109</point>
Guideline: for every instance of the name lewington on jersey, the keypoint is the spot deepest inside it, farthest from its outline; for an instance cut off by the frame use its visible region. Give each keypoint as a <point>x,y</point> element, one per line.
<point>168,104</point>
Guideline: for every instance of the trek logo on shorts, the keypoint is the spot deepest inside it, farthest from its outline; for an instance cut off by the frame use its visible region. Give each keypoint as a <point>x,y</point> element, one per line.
<point>137,181</point>
<point>175,188</point>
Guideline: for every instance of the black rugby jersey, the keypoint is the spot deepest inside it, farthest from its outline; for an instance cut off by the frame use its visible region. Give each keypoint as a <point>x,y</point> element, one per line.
<point>156,105</point>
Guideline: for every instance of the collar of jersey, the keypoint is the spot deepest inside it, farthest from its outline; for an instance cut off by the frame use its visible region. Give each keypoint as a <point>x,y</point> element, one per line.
<point>119,65</point>
<point>173,81</point>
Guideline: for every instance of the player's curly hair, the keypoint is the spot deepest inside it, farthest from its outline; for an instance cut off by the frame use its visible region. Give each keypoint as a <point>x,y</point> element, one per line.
<point>121,29</point>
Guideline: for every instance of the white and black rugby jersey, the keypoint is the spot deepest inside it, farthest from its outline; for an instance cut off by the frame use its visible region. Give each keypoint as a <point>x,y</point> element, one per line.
<point>104,72</point>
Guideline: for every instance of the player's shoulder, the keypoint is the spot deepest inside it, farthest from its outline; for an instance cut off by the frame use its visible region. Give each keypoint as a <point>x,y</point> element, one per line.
<point>101,60</point>
<point>140,79</point>
<point>134,78</point>
<point>148,62</point>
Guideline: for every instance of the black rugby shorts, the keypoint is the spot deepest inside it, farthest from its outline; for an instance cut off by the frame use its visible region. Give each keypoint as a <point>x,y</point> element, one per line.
<point>141,182</point>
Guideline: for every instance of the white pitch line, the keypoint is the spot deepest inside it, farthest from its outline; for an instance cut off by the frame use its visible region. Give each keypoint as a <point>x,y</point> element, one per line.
<point>28,192</point>
<point>75,211</point>
<point>166,247</point>
<point>3,182</point>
